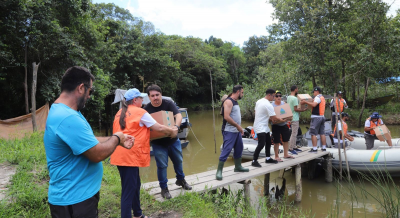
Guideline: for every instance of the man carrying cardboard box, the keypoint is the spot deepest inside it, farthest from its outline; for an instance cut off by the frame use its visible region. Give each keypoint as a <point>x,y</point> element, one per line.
<point>317,126</point>
<point>264,112</point>
<point>281,129</point>
<point>166,147</point>
<point>369,134</point>
<point>293,102</point>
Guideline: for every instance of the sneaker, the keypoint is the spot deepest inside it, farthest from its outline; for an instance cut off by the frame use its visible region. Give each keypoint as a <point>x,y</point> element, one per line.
<point>271,161</point>
<point>297,150</point>
<point>184,184</point>
<point>165,193</point>
<point>255,164</point>
<point>323,149</point>
<point>293,152</point>
<point>313,151</point>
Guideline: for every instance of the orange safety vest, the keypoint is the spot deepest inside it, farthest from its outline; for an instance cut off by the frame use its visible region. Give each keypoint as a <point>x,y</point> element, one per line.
<point>372,125</point>
<point>254,134</point>
<point>139,154</point>
<point>319,110</point>
<point>340,106</point>
<point>344,131</point>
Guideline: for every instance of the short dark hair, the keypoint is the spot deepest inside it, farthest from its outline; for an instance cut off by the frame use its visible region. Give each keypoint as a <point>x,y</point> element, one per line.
<point>153,87</point>
<point>293,88</point>
<point>237,88</point>
<point>270,91</point>
<point>74,76</point>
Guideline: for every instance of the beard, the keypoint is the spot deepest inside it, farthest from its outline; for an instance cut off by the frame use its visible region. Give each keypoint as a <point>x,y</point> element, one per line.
<point>295,94</point>
<point>81,103</point>
<point>240,97</point>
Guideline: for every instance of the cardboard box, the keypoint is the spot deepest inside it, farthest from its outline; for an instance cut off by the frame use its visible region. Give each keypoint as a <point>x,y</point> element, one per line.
<point>383,133</point>
<point>165,118</point>
<point>305,97</point>
<point>283,111</point>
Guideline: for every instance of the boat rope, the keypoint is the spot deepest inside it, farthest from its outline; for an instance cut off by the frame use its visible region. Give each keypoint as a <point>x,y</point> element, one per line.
<point>195,136</point>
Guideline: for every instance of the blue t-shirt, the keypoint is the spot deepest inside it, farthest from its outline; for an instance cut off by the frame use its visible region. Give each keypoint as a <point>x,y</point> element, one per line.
<point>73,177</point>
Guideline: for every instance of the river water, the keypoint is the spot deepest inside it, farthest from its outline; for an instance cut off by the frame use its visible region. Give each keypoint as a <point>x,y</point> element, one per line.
<point>319,197</point>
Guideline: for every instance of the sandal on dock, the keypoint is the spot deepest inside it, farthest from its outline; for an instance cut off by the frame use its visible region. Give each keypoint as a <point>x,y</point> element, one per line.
<point>278,159</point>
<point>289,157</point>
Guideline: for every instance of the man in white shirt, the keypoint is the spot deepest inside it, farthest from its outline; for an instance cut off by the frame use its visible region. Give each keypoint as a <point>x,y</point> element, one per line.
<point>264,112</point>
<point>338,129</point>
<point>317,125</point>
<point>369,133</point>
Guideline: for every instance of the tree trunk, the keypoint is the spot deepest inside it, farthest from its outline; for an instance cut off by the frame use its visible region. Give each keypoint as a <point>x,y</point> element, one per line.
<point>33,97</point>
<point>363,105</point>
<point>358,92</point>
<point>25,83</point>
<point>313,80</point>
<point>344,78</point>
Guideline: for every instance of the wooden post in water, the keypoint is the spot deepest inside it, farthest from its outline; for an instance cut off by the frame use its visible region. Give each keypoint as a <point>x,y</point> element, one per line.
<point>246,189</point>
<point>337,135</point>
<point>299,189</point>
<point>281,173</point>
<point>266,184</point>
<point>344,149</point>
<point>328,172</point>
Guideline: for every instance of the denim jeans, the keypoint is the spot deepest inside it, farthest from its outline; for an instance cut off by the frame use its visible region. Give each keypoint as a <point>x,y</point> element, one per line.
<point>161,153</point>
<point>130,195</point>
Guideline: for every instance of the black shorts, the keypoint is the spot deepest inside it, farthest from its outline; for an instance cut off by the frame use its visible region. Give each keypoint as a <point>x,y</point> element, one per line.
<point>278,131</point>
<point>87,208</point>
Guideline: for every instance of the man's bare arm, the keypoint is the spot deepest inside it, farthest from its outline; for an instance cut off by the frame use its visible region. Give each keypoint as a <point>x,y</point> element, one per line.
<point>105,148</point>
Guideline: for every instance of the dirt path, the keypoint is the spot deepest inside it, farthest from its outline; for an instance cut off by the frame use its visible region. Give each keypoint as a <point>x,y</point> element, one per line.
<point>6,171</point>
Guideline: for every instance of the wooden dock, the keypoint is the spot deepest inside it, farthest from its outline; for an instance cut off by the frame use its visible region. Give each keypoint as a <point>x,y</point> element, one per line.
<point>206,181</point>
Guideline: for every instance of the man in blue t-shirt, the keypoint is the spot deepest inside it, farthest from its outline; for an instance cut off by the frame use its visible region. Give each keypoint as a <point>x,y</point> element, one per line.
<point>73,153</point>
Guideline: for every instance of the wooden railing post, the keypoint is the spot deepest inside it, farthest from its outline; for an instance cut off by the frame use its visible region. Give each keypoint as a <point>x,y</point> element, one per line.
<point>299,189</point>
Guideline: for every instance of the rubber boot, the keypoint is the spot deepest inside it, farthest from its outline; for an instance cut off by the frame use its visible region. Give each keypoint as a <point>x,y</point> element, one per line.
<point>219,170</point>
<point>238,166</point>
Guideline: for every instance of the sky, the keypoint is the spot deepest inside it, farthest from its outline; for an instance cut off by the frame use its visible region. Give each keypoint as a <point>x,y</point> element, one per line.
<point>231,20</point>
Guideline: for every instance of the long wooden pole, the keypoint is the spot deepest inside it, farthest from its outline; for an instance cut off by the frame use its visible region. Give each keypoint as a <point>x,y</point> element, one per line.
<point>33,97</point>
<point>344,148</point>
<point>212,99</point>
<point>337,135</point>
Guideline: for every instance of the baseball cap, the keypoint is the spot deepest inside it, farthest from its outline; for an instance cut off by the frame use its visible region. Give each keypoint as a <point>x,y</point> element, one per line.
<point>317,88</point>
<point>277,91</point>
<point>339,92</point>
<point>133,93</point>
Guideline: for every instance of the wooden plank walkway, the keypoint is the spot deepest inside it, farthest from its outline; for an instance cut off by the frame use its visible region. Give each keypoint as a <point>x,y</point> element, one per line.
<point>205,181</point>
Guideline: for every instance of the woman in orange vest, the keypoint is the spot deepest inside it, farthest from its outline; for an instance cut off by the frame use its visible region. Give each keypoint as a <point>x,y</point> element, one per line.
<point>369,134</point>
<point>345,117</point>
<point>135,121</point>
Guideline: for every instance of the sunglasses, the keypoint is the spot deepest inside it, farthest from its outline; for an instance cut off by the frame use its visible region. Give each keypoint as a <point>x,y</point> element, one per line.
<point>91,89</point>
<point>278,96</point>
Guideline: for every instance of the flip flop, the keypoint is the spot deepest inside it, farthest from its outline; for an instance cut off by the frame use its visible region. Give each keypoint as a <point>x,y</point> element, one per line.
<point>278,159</point>
<point>290,157</point>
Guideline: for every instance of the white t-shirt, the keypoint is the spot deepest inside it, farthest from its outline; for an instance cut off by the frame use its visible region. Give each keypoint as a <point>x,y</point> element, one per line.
<point>147,120</point>
<point>264,110</point>
<point>368,123</point>
<point>318,100</point>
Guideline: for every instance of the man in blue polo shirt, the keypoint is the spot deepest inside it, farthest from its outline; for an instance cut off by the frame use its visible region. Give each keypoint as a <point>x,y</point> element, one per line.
<point>73,153</point>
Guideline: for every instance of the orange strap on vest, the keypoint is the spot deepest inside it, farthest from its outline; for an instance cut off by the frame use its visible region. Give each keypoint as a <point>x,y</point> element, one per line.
<point>139,154</point>
<point>372,125</point>
<point>320,108</point>
<point>344,131</point>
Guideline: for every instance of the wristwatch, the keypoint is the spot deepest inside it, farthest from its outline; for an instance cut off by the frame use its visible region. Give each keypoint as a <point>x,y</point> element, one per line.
<point>179,128</point>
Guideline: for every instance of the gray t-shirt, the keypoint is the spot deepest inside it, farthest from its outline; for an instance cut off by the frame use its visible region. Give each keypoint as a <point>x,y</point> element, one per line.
<point>275,105</point>
<point>235,115</point>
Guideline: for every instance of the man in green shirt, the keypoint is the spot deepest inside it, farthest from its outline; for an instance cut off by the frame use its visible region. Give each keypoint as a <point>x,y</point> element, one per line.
<point>293,102</point>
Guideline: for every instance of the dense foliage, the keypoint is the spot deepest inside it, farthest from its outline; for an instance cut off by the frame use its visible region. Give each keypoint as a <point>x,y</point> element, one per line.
<point>334,44</point>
